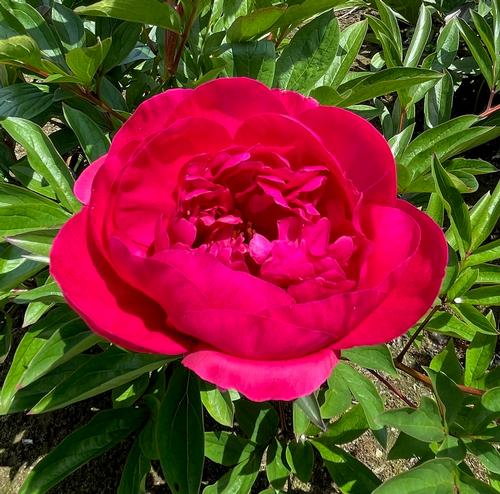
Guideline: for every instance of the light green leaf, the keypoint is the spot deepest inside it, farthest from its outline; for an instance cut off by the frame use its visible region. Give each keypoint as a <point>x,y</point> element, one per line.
<point>84,62</point>
<point>376,357</point>
<point>142,11</point>
<point>348,427</point>
<point>478,357</point>
<point>218,404</point>
<point>226,448</point>
<point>420,38</point>
<point>255,24</point>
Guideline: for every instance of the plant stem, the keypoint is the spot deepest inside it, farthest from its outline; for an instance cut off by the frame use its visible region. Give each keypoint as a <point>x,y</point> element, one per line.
<point>490,111</point>
<point>169,46</point>
<point>393,388</point>
<point>414,336</point>
<point>184,37</point>
<point>426,380</point>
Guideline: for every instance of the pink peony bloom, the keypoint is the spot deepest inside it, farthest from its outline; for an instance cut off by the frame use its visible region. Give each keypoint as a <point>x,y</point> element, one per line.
<point>251,230</point>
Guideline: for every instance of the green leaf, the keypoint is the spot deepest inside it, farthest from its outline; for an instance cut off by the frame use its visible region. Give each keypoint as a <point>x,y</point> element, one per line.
<point>489,218</point>
<point>435,209</point>
<point>449,395</point>
<point>399,142</point>
<point>365,392</point>
<point>277,470</point>
<point>308,55</point>
<point>348,427</point>
<point>491,399</point>
<point>486,453</point>
<point>91,138</point>
<point>350,41</point>
<point>436,476</point>
<point>5,336</point>
<point>102,433</point>
<point>488,295</point>
<point>309,405</point>
<point>218,404</point>
<point>137,466</point>
<point>68,26</point>
<point>478,357</point>
<point>127,394</point>
<point>463,283</point>
<point>485,253</point>
<point>337,397</point>
<point>37,242</point>
<point>84,62</point>
<point>474,318</point>
<point>15,268</point>
<point>255,24</point>
<point>259,421</point>
<point>453,448</point>
<point>471,485</point>
<point>300,420</point>
<point>420,38</point>
<point>488,274</point>
<point>447,44</point>
<point>64,343</point>
<point>180,433</point>
<point>423,423</point>
<point>238,480</point>
<point>299,12</point>
<point>21,49</point>
<point>447,361</point>
<point>33,340</point>
<point>103,372</point>
<point>255,59</point>
<point>151,12</point>
<point>48,292</point>
<point>376,357</point>
<point>406,447</point>
<point>43,158</point>
<point>439,101</point>
<point>24,100</point>
<point>36,26</point>
<point>124,39</point>
<point>300,457</point>
<point>226,448</point>
<point>383,82</point>
<point>349,474</point>
<point>454,205</point>
<point>148,438</point>
<point>478,51</point>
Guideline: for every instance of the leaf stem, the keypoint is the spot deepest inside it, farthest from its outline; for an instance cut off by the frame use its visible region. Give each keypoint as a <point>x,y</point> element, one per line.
<point>414,336</point>
<point>392,388</point>
<point>183,39</point>
<point>426,380</point>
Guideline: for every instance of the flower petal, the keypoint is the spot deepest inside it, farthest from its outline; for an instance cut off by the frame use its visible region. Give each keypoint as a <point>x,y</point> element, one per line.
<point>264,380</point>
<point>415,286</point>
<point>359,148</point>
<point>294,102</point>
<point>106,303</point>
<point>83,185</point>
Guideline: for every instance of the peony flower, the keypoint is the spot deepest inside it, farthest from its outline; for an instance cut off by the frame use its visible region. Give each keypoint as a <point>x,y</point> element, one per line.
<point>251,230</point>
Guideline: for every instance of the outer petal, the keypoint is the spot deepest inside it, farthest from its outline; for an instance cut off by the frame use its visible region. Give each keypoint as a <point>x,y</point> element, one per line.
<point>109,306</point>
<point>229,101</point>
<point>83,185</point>
<point>415,286</point>
<point>294,102</point>
<point>264,380</point>
<point>361,151</point>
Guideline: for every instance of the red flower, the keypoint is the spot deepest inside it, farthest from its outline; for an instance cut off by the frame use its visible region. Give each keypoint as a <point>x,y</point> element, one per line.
<point>251,230</point>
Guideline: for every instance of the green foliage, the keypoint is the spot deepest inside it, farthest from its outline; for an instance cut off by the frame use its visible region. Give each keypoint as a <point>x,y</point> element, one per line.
<point>427,74</point>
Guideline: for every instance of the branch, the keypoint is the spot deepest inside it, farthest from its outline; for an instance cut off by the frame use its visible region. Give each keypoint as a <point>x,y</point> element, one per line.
<point>414,336</point>
<point>426,380</point>
<point>393,388</point>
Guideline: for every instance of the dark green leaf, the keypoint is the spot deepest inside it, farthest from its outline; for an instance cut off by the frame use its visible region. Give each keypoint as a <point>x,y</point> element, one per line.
<point>277,470</point>
<point>348,427</point>
<point>5,336</point>
<point>255,59</point>
<point>349,474</point>
<point>449,395</point>
<point>137,466</point>
<point>486,453</point>
<point>92,139</point>
<point>259,421</point>
<point>24,100</point>
<point>68,26</point>
<point>309,405</point>
<point>300,457</point>
<point>453,448</point>
<point>127,394</point>
<point>447,361</point>
<point>180,433</point>
<point>103,372</point>
<point>102,433</point>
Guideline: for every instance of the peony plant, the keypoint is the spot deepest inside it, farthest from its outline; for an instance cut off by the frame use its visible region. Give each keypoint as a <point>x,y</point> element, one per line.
<point>256,241</point>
